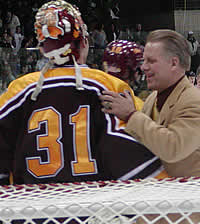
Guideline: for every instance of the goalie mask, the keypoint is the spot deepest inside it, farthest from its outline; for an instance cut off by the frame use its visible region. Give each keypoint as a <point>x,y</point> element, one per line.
<point>122,59</point>
<point>59,28</point>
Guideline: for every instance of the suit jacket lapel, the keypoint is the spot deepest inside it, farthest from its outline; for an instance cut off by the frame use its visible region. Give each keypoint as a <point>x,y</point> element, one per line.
<point>172,99</point>
<point>148,107</point>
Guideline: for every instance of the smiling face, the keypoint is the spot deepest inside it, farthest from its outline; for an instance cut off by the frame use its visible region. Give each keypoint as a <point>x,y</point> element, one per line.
<point>159,68</point>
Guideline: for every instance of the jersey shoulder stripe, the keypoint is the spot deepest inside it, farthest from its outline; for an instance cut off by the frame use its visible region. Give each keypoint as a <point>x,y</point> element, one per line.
<point>27,83</point>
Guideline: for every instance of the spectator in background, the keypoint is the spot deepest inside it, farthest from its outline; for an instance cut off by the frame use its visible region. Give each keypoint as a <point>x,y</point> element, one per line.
<point>15,65</point>
<point>125,34</point>
<point>18,38</point>
<point>24,70</point>
<point>99,36</point>
<point>100,41</point>
<point>29,42</point>
<point>114,31</point>
<point>26,17</point>
<point>198,77</point>
<point>198,83</point>
<point>11,22</point>
<point>139,36</point>
<point>7,44</point>
<point>91,58</point>
<point>31,61</point>
<point>7,75</point>
<point>192,77</point>
<point>7,41</point>
<point>194,45</point>
<point>198,74</point>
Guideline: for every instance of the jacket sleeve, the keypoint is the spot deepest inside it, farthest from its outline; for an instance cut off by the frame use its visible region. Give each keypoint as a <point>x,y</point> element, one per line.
<point>172,141</point>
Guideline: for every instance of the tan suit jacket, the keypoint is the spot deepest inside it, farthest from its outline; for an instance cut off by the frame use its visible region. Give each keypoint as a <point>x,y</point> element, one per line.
<point>175,135</point>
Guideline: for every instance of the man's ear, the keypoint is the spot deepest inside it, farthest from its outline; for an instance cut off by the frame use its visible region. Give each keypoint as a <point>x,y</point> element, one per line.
<point>174,61</point>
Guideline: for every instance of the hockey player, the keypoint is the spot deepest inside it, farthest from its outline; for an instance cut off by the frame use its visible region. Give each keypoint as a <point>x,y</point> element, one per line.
<point>52,128</point>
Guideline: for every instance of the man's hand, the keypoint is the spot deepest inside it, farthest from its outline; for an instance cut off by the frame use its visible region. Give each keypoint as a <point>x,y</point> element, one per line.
<point>121,106</point>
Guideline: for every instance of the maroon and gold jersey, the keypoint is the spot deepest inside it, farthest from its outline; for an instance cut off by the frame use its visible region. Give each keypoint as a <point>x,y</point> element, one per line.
<point>64,136</point>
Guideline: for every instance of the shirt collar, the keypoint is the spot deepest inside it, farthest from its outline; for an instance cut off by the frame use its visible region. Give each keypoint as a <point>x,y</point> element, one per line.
<point>162,96</point>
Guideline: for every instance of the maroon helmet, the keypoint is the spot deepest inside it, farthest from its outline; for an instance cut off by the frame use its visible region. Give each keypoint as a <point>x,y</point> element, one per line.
<point>59,28</point>
<point>58,25</point>
<point>122,58</point>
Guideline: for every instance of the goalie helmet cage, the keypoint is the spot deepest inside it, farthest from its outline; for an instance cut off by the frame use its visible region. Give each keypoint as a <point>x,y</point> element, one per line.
<point>171,200</point>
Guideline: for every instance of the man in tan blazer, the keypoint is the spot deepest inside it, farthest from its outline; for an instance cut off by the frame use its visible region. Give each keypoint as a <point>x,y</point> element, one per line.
<point>172,130</point>
<point>169,124</point>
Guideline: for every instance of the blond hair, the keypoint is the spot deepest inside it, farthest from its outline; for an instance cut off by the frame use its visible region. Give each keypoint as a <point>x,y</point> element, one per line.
<point>174,44</point>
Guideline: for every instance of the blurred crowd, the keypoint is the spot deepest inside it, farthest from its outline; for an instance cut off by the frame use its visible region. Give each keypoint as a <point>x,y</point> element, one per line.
<point>18,45</point>
<point>18,53</point>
